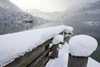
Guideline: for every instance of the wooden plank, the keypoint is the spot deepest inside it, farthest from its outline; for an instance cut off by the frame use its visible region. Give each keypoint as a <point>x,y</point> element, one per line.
<point>54,51</point>
<point>28,57</point>
<point>37,65</point>
<point>22,59</point>
<point>32,58</point>
<point>44,62</point>
<point>34,63</point>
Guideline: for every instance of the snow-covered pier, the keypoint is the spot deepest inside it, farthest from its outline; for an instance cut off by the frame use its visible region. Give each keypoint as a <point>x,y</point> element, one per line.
<point>34,48</point>
<point>18,49</point>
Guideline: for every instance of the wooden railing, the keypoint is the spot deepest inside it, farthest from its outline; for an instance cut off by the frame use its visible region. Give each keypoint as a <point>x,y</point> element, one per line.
<point>38,57</point>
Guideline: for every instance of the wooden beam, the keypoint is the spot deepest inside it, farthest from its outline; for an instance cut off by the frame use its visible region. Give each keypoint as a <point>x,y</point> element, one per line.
<point>34,63</point>
<point>75,61</point>
<point>21,61</point>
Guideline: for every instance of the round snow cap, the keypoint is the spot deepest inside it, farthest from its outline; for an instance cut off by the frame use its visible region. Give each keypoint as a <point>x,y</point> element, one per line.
<point>82,45</point>
<point>57,39</point>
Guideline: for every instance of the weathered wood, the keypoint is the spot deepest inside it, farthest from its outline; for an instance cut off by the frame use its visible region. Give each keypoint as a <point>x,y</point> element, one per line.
<point>54,51</point>
<point>36,56</point>
<point>67,39</point>
<point>34,63</point>
<point>21,61</point>
<point>77,61</point>
<point>44,62</point>
<point>32,58</point>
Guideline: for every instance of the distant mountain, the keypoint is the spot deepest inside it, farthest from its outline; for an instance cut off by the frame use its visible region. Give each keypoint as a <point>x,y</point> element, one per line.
<point>82,13</point>
<point>13,19</point>
<point>51,16</point>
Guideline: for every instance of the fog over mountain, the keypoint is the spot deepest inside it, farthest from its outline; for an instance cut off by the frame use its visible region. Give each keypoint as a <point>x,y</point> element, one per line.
<point>76,13</point>
<point>82,13</point>
<point>51,16</point>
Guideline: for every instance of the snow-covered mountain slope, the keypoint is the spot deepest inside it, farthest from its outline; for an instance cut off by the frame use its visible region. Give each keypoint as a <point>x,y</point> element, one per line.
<point>13,19</point>
<point>51,16</point>
<point>8,10</point>
<point>83,13</point>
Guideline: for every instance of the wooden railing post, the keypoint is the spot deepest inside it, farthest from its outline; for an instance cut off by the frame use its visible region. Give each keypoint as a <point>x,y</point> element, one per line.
<point>54,51</point>
<point>75,61</point>
<point>80,48</point>
<point>55,47</point>
<point>67,38</point>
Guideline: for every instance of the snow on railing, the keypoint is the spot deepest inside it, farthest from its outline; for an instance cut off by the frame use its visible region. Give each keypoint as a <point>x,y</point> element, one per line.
<point>16,45</point>
<point>35,47</point>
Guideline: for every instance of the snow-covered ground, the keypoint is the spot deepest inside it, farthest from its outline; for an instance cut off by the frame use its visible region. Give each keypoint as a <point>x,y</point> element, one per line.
<point>16,44</point>
<point>62,61</point>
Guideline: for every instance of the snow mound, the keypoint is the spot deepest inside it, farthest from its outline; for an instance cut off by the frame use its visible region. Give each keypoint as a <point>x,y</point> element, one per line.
<point>82,45</point>
<point>62,60</point>
<point>57,39</point>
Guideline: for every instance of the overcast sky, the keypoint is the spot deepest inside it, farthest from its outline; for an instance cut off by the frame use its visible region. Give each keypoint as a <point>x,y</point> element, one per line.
<point>48,5</point>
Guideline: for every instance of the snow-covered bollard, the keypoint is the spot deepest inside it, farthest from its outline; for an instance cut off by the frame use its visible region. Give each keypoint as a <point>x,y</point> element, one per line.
<point>58,39</point>
<point>80,48</point>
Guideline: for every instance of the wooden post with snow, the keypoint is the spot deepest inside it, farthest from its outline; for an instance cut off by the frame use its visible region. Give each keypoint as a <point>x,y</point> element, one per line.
<point>77,61</point>
<point>80,48</point>
<point>58,39</point>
